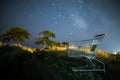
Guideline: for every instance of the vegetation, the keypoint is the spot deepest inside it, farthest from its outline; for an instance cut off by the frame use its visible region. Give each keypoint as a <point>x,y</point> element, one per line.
<point>20,63</point>
<point>16,34</point>
<point>62,63</point>
<point>66,44</point>
<point>45,39</point>
<point>112,62</point>
<point>17,64</point>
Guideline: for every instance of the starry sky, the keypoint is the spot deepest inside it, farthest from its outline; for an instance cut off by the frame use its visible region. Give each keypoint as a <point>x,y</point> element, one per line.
<point>71,20</point>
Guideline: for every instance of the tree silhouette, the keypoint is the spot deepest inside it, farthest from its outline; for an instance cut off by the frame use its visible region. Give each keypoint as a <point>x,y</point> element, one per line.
<point>48,34</point>
<point>5,38</point>
<point>66,44</point>
<point>44,38</point>
<point>16,34</point>
<point>54,43</point>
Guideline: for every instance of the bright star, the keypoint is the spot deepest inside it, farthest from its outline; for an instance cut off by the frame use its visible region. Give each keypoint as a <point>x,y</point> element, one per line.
<point>59,15</point>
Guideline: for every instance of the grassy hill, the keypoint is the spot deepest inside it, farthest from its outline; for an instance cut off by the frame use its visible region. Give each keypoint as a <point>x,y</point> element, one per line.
<point>18,64</point>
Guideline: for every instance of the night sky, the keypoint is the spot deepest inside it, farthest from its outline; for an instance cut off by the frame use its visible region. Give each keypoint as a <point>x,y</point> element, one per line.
<point>71,20</point>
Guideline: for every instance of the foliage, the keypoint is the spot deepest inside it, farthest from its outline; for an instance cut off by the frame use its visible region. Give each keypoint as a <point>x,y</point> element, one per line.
<point>15,59</point>
<point>18,64</point>
<point>58,61</point>
<point>42,41</point>
<point>66,44</point>
<point>47,33</point>
<point>5,37</point>
<point>44,38</point>
<point>62,63</point>
<point>13,53</point>
<point>112,63</point>
<point>17,34</point>
<point>54,44</point>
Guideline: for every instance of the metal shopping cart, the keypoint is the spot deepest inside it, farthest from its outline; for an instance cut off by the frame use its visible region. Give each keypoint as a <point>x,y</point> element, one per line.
<point>87,49</point>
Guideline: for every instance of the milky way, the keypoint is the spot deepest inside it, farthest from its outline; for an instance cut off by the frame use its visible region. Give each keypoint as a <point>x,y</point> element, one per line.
<point>71,20</point>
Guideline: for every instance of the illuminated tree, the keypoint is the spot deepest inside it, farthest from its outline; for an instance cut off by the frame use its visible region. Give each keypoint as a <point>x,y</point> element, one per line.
<point>58,44</point>
<point>42,41</point>
<point>5,38</point>
<point>16,34</point>
<point>44,38</point>
<point>48,34</point>
<point>66,44</point>
<point>54,44</point>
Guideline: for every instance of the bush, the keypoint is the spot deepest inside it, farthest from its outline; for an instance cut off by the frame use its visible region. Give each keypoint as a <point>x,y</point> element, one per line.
<point>62,63</point>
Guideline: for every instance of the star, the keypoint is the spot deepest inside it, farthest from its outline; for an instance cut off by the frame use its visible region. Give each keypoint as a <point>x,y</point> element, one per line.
<point>74,24</point>
<point>53,4</point>
<point>85,17</point>
<point>59,15</point>
<point>71,33</point>
<point>72,15</point>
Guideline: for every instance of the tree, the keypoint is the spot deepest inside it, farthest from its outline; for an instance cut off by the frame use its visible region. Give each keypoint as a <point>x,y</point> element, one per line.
<point>57,44</point>
<point>66,44</point>
<point>54,44</point>
<point>42,41</point>
<point>5,38</point>
<point>16,34</point>
<point>48,34</point>
<point>44,38</point>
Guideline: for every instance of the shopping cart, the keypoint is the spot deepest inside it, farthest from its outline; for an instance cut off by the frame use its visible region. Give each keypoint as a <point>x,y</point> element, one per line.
<point>87,49</point>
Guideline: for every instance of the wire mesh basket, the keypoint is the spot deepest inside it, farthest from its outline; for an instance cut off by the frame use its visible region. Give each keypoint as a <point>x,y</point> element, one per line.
<point>87,49</point>
<point>83,49</point>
